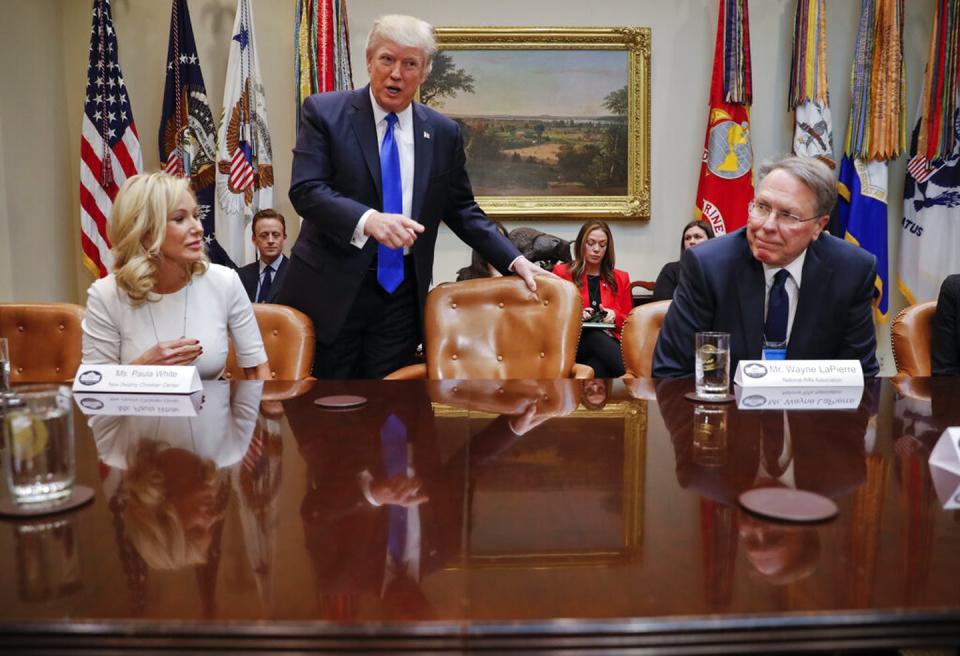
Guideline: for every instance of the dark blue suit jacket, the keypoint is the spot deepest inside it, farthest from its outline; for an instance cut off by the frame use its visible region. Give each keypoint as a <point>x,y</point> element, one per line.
<point>336,178</point>
<point>722,287</point>
<point>250,276</point>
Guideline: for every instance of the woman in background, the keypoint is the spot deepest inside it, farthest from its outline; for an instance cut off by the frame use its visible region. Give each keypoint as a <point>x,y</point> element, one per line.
<point>606,298</point>
<point>695,232</point>
<point>479,267</point>
<point>164,303</point>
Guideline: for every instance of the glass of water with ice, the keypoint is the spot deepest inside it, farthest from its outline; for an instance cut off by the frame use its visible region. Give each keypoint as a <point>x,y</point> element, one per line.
<point>39,462</point>
<point>712,365</point>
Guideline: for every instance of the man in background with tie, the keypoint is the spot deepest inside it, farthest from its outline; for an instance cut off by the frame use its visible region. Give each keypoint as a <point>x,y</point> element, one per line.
<point>779,282</point>
<point>263,278</point>
<point>374,174</point>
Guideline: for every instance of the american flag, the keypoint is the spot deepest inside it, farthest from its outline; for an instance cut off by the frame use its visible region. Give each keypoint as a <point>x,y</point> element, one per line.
<point>109,145</point>
<point>188,133</point>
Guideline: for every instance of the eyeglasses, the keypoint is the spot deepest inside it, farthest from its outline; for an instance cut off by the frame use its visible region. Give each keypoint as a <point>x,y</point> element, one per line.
<point>761,210</point>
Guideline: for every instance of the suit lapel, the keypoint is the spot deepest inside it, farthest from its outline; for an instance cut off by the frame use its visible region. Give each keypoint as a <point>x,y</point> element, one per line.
<point>750,287</point>
<point>816,279</point>
<point>366,131</point>
<point>422,157</point>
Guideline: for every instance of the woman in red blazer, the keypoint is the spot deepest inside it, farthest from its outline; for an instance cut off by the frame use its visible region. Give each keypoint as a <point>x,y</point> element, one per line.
<point>606,298</point>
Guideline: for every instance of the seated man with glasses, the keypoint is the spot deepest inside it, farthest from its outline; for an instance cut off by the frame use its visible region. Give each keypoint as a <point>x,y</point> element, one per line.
<point>778,281</point>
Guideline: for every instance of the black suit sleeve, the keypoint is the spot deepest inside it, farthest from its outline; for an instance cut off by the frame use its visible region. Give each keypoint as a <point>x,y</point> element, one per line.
<point>860,333</point>
<point>691,311</point>
<point>944,347</point>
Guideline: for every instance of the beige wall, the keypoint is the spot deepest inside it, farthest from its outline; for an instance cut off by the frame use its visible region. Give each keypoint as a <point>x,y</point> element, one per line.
<point>42,77</point>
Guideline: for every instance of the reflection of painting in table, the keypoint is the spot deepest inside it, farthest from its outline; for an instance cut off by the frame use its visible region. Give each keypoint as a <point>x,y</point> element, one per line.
<point>537,122</point>
<point>568,492</point>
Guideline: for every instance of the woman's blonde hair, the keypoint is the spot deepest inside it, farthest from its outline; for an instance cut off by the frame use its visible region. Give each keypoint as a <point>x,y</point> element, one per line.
<point>138,224</point>
<point>152,523</point>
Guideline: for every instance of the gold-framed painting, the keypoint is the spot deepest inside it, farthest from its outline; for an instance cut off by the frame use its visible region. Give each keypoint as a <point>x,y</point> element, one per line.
<point>569,493</point>
<point>556,120</point>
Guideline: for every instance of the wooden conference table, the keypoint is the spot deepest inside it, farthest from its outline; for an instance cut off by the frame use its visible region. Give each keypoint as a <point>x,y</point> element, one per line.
<point>543,516</point>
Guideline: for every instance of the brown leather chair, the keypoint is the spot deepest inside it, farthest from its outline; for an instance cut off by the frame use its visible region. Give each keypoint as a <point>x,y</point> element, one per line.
<point>911,333</point>
<point>496,328</point>
<point>639,337</point>
<point>44,340</point>
<point>289,339</point>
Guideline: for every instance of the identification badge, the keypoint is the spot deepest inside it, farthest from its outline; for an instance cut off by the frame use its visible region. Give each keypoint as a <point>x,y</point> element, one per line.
<point>769,353</point>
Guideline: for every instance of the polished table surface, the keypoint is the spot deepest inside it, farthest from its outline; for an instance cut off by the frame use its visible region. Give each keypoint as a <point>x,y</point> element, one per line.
<point>579,515</point>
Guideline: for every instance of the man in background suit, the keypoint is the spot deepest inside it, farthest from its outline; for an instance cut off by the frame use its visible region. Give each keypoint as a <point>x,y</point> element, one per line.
<point>262,279</point>
<point>780,279</point>
<point>373,175</point>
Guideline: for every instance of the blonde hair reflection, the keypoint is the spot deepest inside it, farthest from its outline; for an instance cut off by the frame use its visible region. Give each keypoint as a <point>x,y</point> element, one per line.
<point>153,525</point>
<point>138,224</point>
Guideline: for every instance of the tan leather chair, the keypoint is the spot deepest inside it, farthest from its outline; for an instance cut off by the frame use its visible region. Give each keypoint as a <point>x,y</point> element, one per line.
<point>496,328</point>
<point>639,337</point>
<point>44,340</point>
<point>289,339</point>
<point>911,332</point>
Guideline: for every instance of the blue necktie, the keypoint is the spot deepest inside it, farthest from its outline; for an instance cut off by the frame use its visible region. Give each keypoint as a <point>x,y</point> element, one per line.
<point>778,307</point>
<point>393,442</point>
<point>265,285</point>
<point>390,260</point>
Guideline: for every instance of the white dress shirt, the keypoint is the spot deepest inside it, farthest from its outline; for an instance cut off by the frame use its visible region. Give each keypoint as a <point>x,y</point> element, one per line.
<point>403,135</point>
<point>792,285</point>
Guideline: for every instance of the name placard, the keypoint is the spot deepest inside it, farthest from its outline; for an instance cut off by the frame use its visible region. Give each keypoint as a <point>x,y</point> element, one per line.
<point>945,468</point>
<point>141,405</point>
<point>799,373</point>
<point>142,379</point>
<point>802,398</point>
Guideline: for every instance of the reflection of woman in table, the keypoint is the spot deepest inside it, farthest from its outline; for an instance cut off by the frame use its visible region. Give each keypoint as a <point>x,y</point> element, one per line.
<point>168,476</point>
<point>606,298</point>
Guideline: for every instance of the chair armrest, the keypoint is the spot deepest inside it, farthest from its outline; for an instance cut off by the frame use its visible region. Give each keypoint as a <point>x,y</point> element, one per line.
<point>411,372</point>
<point>582,371</point>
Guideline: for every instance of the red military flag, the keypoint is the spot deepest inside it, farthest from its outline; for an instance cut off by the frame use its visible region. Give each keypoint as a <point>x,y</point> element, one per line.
<point>726,172</point>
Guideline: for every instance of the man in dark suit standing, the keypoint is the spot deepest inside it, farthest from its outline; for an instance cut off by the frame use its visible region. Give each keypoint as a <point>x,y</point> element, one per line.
<point>779,280</point>
<point>263,278</point>
<point>373,175</point>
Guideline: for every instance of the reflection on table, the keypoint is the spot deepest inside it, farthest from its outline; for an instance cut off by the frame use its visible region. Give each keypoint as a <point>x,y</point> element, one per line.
<point>442,514</point>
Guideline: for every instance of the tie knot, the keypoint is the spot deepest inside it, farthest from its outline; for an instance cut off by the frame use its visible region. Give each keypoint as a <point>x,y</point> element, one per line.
<point>391,119</point>
<point>780,277</point>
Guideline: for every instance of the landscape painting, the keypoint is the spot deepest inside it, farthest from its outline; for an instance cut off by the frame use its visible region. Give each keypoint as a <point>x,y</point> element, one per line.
<point>554,121</point>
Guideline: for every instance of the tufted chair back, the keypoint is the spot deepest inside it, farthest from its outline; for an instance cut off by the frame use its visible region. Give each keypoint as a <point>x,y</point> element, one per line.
<point>44,339</point>
<point>639,337</point>
<point>289,339</point>
<point>911,333</point>
<point>495,328</point>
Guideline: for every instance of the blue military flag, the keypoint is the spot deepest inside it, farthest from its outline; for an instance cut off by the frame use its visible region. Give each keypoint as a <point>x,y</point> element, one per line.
<point>187,137</point>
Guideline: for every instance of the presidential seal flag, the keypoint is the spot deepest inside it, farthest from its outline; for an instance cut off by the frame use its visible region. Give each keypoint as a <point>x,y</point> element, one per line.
<point>109,145</point>
<point>244,160</point>
<point>726,178</point>
<point>930,230</point>
<point>187,138</point>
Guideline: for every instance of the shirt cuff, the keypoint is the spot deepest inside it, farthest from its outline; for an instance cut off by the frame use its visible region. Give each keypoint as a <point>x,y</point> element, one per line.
<point>513,263</point>
<point>365,478</point>
<point>359,239</point>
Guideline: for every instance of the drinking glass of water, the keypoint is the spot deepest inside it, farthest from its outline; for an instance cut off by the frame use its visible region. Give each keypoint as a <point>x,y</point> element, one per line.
<point>712,365</point>
<point>39,462</point>
<point>4,368</point>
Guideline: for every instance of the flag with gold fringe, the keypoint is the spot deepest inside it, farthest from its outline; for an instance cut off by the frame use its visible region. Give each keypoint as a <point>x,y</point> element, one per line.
<point>322,42</point>
<point>930,230</point>
<point>875,133</point>
<point>726,171</point>
<point>808,96</point>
